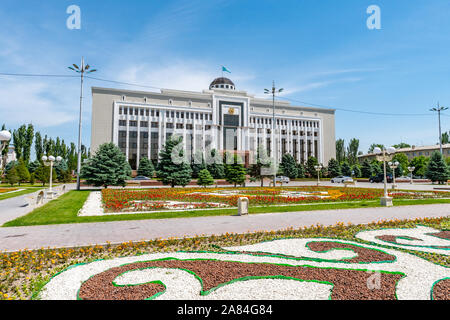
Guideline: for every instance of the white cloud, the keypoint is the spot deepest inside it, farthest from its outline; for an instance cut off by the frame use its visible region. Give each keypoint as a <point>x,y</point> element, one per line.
<point>31,102</point>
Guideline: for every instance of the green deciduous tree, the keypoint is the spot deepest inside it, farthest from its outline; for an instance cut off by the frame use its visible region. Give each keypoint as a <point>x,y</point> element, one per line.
<point>437,170</point>
<point>352,151</point>
<point>420,164</point>
<point>204,178</point>
<point>173,167</point>
<point>340,150</point>
<point>108,167</point>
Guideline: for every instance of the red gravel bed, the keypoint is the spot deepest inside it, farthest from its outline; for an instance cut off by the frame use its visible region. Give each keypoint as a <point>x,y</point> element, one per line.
<point>441,290</point>
<point>348,284</point>
<point>393,239</point>
<point>364,255</point>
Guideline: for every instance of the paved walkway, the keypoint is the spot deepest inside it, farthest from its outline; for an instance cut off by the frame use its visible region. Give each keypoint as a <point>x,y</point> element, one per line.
<point>16,207</point>
<point>12,239</point>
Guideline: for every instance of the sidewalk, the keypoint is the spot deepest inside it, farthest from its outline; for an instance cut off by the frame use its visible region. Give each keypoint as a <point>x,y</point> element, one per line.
<point>17,238</point>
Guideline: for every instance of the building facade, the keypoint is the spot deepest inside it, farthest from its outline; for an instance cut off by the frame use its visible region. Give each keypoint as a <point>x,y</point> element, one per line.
<point>414,151</point>
<point>220,118</point>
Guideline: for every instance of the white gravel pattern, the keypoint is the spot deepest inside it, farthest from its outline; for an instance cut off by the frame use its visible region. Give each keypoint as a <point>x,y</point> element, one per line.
<point>254,289</point>
<point>420,274</point>
<point>93,205</point>
<point>420,232</point>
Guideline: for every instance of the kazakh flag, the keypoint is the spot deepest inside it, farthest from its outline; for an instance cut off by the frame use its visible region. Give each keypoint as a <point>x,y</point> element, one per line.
<point>224,69</point>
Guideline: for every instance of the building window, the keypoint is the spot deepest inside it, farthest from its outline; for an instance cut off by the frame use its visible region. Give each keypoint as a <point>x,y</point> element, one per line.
<point>155,124</point>
<point>189,126</point>
<point>123,123</point>
<point>180,126</point>
<point>125,111</point>
<point>144,123</point>
<point>169,125</point>
<point>133,123</point>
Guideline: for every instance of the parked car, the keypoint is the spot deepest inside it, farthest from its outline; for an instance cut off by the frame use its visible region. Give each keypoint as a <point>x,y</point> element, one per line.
<point>282,179</point>
<point>380,178</point>
<point>142,178</point>
<point>341,179</point>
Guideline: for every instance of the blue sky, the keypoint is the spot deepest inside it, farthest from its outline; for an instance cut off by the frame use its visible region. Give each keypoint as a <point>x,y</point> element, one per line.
<point>321,52</point>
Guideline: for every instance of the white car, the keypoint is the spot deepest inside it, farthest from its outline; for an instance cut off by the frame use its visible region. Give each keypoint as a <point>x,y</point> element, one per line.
<point>282,179</point>
<point>341,179</point>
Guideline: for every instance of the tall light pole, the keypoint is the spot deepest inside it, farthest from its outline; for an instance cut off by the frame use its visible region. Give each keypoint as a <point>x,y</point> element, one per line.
<point>438,109</point>
<point>82,69</point>
<point>385,155</point>
<point>273,92</point>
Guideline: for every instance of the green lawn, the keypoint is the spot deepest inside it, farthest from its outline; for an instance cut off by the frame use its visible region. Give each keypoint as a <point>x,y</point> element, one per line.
<point>65,210</point>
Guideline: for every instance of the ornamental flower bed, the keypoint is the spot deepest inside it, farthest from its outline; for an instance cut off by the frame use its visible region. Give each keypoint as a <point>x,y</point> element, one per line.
<point>24,274</point>
<point>117,200</point>
<point>4,190</point>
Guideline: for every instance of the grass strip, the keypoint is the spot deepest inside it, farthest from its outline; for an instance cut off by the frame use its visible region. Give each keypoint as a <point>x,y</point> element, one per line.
<point>65,209</point>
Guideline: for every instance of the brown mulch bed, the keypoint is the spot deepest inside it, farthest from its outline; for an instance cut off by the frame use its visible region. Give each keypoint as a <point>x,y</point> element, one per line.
<point>441,290</point>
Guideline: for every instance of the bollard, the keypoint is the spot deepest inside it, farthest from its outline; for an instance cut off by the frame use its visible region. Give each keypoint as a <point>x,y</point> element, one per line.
<point>243,206</point>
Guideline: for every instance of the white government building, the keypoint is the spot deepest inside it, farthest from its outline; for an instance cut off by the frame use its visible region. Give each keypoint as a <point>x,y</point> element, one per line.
<point>220,118</point>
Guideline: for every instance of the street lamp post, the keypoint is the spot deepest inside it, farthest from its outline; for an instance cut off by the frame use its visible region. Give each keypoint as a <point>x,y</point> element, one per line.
<point>49,161</point>
<point>274,91</point>
<point>318,168</point>
<point>82,69</point>
<point>393,166</point>
<point>438,110</point>
<point>411,169</point>
<point>385,155</point>
<point>5,137</point>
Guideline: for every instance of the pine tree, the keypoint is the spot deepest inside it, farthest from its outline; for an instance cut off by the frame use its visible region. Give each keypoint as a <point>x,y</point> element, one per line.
<point>173,168</point>
<point>334,169</point>
<point>235,172</point>
<point>43,174</point>
<point>289,166</point>
<point>356,169</point>
<point>346,169</point>
<point>204,178</point>
<point>312,161</point>
<point>11,177</point>
<point>108,167</point>
<point>300,170</point>
<point>437,170</point>
<point>366,169</point>
<point>262,168</point>
<point>22,172</point>
<point>32,166</point>
<point>198,164</point>
<point>214,164</point>
<point>146,168</point>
